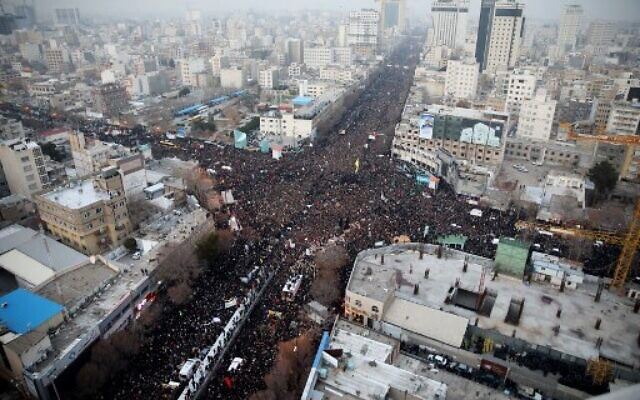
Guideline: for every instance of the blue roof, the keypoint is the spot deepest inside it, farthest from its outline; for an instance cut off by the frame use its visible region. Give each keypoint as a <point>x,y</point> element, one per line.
<point>22,311</point>
<point>302,100</point>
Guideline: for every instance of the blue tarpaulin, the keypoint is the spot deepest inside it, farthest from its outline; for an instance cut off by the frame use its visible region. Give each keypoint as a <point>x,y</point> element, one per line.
<point>240,139</point>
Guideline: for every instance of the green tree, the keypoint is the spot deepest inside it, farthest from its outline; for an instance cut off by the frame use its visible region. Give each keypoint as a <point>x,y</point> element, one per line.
<point>184,92</point>
<point>212,247</point>
<point>605,177</point>
<point>130,244</point>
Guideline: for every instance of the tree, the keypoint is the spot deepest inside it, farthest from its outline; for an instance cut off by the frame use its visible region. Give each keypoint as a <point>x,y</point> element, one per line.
<point>211,247</point>
<point>326,287</point>
<point>172,63</point>
<point>130,244</point>
<point>605,177</point>
<point>52,151</point>
<point>90,378</point>
<point>184,92</point>
<point>180,293</point>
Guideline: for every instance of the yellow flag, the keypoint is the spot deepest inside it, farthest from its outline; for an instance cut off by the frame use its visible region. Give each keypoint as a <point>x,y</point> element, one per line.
<point>357,165</point>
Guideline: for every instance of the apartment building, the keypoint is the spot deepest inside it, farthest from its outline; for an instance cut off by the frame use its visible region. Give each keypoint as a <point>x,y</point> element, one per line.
<point>56,59</point>
<point>287,124</point>
<point>362,32</point>
<point>89,156</point>
<point>269,78</point>
<point>569,29</point>
<point>90,216</point>
<point>462,79</point>
<point>10,129</point>
<point>536,117</point>
<point>449,18</point>
<point>110,99</point>
<point>624,118</point>
<point>521,87</point>
<point>318,57</point>
<point>232,78</point>
<point>23,166</point>
<point>477,137</point>
<point>342,75</point>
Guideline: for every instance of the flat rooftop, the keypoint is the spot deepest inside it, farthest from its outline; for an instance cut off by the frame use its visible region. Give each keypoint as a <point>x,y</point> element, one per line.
<point>365,372</point>
<point>537,322</point>
<point>78,196</point>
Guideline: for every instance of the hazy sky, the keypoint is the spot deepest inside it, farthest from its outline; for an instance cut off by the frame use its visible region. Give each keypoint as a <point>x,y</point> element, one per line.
<point>537,9</point>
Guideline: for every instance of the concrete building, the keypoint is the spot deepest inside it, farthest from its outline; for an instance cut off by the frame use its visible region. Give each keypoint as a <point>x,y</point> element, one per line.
<point>601,33</point>
<point>110,99</point>
<point>89,156</point>
<point>356,363</point>
<point>56,60</point>
<point>189,69</point>
<point>499,35</point>
<point>362,34</point>
<point>343,56</point>
<point>287,124</point>
<point>392,15</point>
<point>90,216</point>
<point>512,257</point>
<point>232,78</point>
<point>536,117</point>
<point>462,79</point>
<point>67,16</point>
<point>218,62</point>
<point>295,51</point>
<point>10,129</point>
<point>569,29</point>
<point>624,118</point>
<point>23,166</point>
<point>337,74</point>
<point>27,318</point>
<point>394,290</point>
<point>269,78</point>
<point>470,136</point>
<point>449,20</point>
<point>318,57</point>
<point>521,86</point>
<point>29,258</point>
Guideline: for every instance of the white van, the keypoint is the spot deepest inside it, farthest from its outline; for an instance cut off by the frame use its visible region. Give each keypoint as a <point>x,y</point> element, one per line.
<point>188,369</point>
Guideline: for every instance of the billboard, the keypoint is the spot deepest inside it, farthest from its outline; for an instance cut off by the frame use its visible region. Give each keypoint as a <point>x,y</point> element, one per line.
<point>240,139</point>
<point>471,130</point>
<point>426,126</point>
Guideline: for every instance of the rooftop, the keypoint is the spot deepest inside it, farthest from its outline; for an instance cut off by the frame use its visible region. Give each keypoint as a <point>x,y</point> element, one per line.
<point>76,197</point>
<point>22,311</point>
<point>538,302</point>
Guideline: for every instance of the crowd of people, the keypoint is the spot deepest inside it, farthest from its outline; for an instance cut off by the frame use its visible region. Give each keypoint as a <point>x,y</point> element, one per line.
<point>340,185</point>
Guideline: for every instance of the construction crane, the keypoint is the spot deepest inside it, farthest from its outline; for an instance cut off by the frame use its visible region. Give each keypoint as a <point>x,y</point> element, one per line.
<point>631,242</point>
<point>599,136</point>
<point>603,236</point>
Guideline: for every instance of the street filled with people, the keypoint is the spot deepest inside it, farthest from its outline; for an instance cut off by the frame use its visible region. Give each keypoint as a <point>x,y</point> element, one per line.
<point>339,185</point>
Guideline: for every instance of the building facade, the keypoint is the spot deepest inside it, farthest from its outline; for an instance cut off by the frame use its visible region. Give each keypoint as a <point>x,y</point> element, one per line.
<point>569,29</point>
<point>23,166</point>
<point>505,32</point>
<point>462,79</point>
<point>449,18</point>
<point>91,216</point>
<point>536,117</point>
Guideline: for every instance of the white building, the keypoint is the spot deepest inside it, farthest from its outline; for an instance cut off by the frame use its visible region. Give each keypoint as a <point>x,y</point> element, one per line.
<point>536,117</point>
<point>449,20</point>
<point>269,78</point>
<point>218,62</point>
<point>313,89</point>
<point>569,29</point>
<point>601,33</point>
<point>286,124</point>
<point>624,118</point>
<point>505,36</point>
<point>336,74</point>
<point>189,69</point>
<point>362,34</point>
<point>343,56</point>
<point>23,165</point>
<point>462,78</point>
<point>318,57</point>
<point>232,78</point>
<point>294,70</point>
<point>521,87</point>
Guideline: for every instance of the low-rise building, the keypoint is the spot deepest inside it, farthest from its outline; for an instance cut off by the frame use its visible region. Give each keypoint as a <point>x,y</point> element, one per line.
<point>110,99</point>
<point>232,78</point>
<point>90,216</point>
<point>462,78</point>
<point>624,118</point>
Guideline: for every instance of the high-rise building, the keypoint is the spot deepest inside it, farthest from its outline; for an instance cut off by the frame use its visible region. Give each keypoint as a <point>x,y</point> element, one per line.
<point>269,78</point>
<point>67,16</point>
<point>392,14</point>
<point>362,34</point>
<point>26,14</point>
<point>23,165</point>
<point>295,51</point>
<point>601,33</point>
<point>570,23</point>
<point>449,19</point>
<point>520,87</point>
<point>500,34</point>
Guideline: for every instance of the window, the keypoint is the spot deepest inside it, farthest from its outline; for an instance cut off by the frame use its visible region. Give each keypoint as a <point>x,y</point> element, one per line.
<point>27,168</point>
<point>358,303</point>
<point>24,159</point>
<point>374,309</point>
<point>30,177</point>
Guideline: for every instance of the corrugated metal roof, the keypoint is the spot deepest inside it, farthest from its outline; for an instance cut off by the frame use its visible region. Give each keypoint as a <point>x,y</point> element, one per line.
<point>25,268</point>
<point>22,311</point>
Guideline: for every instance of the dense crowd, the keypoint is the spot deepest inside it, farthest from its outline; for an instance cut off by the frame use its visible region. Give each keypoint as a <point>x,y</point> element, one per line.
<point>341,185</point>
